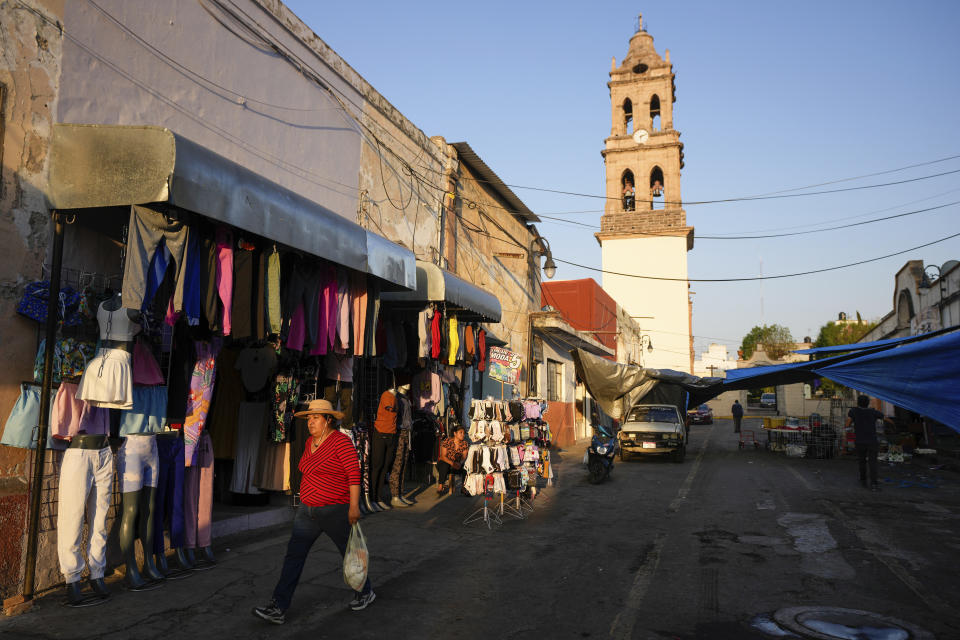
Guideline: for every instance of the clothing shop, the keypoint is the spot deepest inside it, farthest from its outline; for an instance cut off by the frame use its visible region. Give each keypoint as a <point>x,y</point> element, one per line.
<point>197,305</point>
<point>435,346</point>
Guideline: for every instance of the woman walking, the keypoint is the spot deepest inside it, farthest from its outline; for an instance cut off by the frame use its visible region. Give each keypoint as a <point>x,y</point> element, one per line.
<point>330,503</point>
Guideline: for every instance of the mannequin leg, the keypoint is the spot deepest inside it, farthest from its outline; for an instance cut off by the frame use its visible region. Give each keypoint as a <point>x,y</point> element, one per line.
<point>147,516</point>
<point>129,504</point>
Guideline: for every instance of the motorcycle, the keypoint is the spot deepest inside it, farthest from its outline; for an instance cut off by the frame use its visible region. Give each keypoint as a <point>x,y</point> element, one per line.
<point>600,453</point>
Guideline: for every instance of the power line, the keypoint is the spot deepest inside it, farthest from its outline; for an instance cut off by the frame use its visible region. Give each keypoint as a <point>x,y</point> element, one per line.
<point>742,198</point>
<point>776,277</point>
<point>783,235</point>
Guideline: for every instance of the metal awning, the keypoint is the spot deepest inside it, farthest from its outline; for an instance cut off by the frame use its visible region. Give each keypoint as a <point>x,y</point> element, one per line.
<point>438,285</point>
<point>113,165</point>
<point>552,324</point>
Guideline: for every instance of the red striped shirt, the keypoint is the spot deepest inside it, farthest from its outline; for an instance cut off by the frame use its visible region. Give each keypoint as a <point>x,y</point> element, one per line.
<point>329,472</point>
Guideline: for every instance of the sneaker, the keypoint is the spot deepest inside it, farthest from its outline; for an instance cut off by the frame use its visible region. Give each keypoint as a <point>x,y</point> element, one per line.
<point>362,600</point>
<point>270,613</point>
<point>397,503</point>
<point>407,501</point>
<point>384,505</point>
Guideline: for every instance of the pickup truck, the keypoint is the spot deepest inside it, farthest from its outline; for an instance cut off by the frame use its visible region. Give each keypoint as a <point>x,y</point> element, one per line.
<point>653,429</point>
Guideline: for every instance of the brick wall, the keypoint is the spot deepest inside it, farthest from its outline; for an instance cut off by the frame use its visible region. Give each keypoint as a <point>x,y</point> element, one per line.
<point>653,221</point>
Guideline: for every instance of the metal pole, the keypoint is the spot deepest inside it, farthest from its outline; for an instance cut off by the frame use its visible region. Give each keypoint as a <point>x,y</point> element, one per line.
<point>46,383</point>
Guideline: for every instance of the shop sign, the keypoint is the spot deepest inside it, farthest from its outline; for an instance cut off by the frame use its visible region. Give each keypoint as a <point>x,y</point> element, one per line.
<point>504,365</point>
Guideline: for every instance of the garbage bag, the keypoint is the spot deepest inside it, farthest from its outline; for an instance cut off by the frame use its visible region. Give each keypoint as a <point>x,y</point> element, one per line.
<point>356,560</point>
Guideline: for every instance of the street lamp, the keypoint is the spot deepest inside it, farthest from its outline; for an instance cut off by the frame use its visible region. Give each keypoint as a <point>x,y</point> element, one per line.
<point>649,342</point>
<point>549,267</point>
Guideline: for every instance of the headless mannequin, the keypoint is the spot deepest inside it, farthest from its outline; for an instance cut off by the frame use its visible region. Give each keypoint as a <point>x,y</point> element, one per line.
<point>134,503</point>
<point>98,588</point>
<point>113,304</point>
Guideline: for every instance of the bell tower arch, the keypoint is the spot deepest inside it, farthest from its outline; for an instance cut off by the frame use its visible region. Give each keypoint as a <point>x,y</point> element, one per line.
<point>644,227</point>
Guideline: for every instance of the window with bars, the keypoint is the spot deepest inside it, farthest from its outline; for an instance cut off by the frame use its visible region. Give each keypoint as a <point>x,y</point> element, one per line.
<point>554,380</point>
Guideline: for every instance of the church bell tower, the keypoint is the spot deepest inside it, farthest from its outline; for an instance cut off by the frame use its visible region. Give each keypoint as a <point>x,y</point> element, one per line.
<point>644,228</point>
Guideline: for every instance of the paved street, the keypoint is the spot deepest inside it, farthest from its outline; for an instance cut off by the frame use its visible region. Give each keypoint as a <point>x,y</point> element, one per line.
<point>710,548</point>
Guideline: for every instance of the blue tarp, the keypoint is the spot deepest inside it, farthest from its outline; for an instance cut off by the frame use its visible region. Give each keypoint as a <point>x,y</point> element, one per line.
<point>922,376</point>
<point>921,373</point>
<point>860,346</point>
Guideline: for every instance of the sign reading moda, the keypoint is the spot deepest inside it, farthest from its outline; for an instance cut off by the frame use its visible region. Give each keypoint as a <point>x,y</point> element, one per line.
<point>504,365</point>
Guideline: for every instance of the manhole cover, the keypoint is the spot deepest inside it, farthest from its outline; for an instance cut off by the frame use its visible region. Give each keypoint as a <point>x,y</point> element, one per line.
<point>833,623</point>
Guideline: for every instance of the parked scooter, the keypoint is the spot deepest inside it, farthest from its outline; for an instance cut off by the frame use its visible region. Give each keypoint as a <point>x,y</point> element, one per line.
<point>600,453</point>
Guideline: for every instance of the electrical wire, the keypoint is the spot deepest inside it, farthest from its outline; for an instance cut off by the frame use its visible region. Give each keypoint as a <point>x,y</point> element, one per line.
<point>783,235</point>
<point>776,277</point>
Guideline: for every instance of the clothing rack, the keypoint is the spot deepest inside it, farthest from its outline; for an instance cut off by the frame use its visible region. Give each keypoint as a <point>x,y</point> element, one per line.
<point>486,514</point>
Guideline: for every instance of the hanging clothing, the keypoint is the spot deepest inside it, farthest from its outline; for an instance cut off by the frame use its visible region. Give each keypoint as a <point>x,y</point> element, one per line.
<point>198,496</point>
<point>182,360</point>
<point>425,390</point>
<point>228,393</point>
<point>338,367</point>
<point>198,403</point>
<point>423,332</point>
<point>454,341</point>
<point>302,291</point>
<point>283,403</point>
<point>461,349</point>
<point>358,297</point>
<point>193,285</point>
<point>272,291</point>
<point>243,290</point>
<point>481,350</point>
<point>169,497</point>
<point>146,229</point>
<point>273,466</point>
<point>249,434</point>
<point>470,345</point>
<point>223,278</point>
<point>343,312</point>
<point>256,366</point>
<point>436,337</point>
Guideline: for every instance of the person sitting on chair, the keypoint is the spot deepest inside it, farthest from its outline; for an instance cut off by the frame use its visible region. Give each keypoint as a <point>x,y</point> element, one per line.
<point>453,450</point>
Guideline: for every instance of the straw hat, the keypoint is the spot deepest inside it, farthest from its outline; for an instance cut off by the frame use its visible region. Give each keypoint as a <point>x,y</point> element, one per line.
<point>319,406</point>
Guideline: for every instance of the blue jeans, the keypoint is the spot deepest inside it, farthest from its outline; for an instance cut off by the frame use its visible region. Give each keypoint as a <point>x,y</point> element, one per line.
<point>308,524</point>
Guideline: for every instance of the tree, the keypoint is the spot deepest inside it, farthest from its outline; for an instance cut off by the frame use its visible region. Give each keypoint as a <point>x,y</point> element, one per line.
<point>833,334</point>
<point>775,339</point>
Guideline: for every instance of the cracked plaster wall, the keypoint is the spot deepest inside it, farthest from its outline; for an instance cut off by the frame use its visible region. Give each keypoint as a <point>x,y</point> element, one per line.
<point>30,77</point>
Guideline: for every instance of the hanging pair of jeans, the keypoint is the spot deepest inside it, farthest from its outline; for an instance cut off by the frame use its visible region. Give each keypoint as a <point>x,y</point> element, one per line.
<point>169,497</point>
<point>147,228</point>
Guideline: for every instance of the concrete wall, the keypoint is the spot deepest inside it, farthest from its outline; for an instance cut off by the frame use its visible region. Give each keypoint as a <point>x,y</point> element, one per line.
<point>667,301</point>
<point>29,82</point>
<point>498,262</point>
<point>717,357</point>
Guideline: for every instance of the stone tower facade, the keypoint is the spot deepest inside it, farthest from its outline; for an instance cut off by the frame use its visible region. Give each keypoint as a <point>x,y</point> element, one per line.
<point>644,228</point>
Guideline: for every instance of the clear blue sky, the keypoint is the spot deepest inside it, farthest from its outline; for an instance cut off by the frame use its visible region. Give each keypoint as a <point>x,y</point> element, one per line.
<point>770,96</point>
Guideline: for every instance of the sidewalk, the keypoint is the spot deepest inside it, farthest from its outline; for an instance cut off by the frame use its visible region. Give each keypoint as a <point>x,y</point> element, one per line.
<point>217,602</point>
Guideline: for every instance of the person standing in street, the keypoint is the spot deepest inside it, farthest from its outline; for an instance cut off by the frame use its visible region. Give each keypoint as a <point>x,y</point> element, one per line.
<point>864,422</point>
<point>329,503</point>
<point>737,411</point>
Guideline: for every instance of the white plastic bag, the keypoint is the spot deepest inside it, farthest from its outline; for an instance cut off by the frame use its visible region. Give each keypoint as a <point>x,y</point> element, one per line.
<point>356,560</point>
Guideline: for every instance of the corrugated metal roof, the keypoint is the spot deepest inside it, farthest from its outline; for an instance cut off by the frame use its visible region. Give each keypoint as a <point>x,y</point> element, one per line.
<point>515,204</point>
